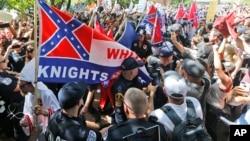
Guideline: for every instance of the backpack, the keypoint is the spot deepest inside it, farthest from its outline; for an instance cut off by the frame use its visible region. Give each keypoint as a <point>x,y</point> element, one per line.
<point>191,129</point>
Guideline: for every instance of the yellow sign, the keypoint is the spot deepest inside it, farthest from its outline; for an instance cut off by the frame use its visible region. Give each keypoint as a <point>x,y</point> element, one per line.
<point>211,10</point>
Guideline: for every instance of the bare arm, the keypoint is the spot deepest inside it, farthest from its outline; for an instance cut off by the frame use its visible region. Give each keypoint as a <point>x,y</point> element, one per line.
<point>151,90</point>
<point>179,46</point>
<point>88,101</point>
<point>238,64</point>
<point>222,48</point>
<point>240,43</point>
<point>226,81</point>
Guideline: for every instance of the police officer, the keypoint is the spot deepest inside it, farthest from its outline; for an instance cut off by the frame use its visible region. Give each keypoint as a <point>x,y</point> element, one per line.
<point>177,28</point>
<point>126,80</point>
<point>142,47</point>
<point>156,67</point>
<point>65,124</point>
<point>164,61</point>
<point>11,102</point>
<point>135,105</point>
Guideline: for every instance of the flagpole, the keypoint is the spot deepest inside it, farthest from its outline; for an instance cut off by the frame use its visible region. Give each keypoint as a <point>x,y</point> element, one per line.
<point>120,27</point>
<point>92,18</point>
<point>35,50</point>
<point>93,13</point>
<point>35,133</point>
<point>141,17</point>
<point>156,18</point>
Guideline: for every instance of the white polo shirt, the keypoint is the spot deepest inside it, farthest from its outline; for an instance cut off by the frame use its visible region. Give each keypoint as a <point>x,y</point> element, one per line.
<point>181,111</point>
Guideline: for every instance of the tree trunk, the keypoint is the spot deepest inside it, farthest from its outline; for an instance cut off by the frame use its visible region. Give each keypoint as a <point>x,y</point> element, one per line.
<point>68,4</point>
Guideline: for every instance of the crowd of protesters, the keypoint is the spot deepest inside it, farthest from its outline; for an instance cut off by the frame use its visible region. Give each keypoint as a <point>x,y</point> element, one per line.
<point>206,66</point>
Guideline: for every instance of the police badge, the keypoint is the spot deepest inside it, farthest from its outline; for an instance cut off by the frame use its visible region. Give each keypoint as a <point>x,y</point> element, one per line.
<point>6,81</point>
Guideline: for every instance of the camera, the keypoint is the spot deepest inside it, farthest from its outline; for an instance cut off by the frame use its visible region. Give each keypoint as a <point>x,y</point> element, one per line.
<point>153,68</point>
<point>156,77</point>
<point>16,46</point>
<point>4,25</point>
<point>167,36</point>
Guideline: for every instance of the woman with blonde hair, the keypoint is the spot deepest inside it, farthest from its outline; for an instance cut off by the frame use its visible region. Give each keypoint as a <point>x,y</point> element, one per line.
<point>230,53</point>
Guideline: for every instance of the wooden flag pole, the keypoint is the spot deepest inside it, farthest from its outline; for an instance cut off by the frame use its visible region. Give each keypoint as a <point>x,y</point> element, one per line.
<point>93,13</point>
<point>142,17</point>
<point>120,27</point>
<point>92,18</point>
<point>155,22</point>
<point>36,131</point>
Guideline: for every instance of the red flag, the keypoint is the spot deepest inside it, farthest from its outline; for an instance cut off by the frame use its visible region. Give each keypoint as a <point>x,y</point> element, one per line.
<point>154,18</point>
<point>98,27</point>
<point>226,25</point>
<point>180,12</point>
<point>157,34</point>
<point>193,17</point>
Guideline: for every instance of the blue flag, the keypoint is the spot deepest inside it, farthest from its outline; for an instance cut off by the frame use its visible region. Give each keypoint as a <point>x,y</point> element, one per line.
<point>129,35</point>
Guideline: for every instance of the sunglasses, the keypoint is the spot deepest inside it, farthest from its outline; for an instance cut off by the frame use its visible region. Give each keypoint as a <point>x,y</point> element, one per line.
<point>23,85</point>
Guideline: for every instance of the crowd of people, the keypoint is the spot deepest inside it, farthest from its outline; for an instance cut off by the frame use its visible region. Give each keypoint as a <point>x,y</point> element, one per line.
<point>205,69</point>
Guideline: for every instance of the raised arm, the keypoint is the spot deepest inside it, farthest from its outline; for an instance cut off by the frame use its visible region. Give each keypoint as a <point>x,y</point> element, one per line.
<point>226,81</point>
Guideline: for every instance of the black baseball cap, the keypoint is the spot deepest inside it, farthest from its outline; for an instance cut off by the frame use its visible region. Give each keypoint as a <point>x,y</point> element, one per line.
<point>130,63</point>
<point>166,51</point>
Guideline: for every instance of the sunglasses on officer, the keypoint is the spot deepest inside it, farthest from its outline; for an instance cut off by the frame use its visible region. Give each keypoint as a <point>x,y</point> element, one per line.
<point>25,84</point>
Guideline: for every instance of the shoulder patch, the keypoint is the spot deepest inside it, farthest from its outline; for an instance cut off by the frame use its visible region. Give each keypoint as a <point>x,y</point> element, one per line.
<point>118,99</point>
<point>91,136</point>
<point>6,81</point>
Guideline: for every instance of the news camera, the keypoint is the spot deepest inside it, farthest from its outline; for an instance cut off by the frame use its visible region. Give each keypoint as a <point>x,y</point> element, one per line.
<point>153,67</point>
<point>172,28</point>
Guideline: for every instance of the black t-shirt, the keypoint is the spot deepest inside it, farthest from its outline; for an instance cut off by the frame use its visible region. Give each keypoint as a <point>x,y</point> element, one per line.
<point>117,132</point>
<point>142,51</point>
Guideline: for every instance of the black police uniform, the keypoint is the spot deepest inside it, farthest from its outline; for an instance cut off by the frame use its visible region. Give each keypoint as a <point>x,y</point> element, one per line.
<point>170,66</point>
<point>65,127</point>
<point>117,132</point>
<point>120,86</point>
<point>11,106</point>
<point>144,51</point>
